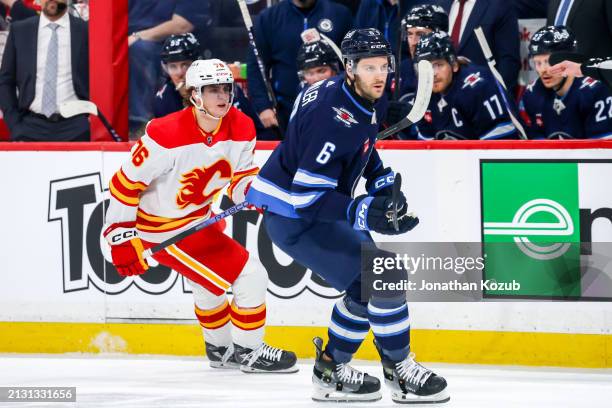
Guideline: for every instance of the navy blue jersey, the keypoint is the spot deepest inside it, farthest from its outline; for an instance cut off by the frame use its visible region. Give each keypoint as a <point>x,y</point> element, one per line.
<point>475,107</point>
<point>167,100</point>
<point>408,78</point>
<point>329,145</point>
<point>277,32</point>
<point>584,112</point>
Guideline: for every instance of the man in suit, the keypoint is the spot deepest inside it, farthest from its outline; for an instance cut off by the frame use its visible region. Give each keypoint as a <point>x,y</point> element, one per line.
<point>500,26</point>
<point>590,21</point>
<point>45,64</point>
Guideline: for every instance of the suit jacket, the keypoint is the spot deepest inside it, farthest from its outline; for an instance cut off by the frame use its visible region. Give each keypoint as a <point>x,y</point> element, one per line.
<point>500,26</point>
<point>591,22</point>
<point>18,70</point>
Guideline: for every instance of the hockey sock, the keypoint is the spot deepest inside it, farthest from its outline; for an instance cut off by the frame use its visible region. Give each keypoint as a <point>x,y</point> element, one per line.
<point>249,325</point>
<point>391,327</point>
<point>215,323</point>
<point>348,328</point>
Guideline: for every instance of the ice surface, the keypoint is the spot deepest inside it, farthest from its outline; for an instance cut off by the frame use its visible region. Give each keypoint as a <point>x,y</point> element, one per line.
<point>158,381</point>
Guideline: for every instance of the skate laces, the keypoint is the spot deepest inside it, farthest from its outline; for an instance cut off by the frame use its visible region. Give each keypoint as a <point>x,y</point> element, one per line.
<point>228,355</point>
<point>348,374</point>
<point>265,351</point>
<point>412,371</point>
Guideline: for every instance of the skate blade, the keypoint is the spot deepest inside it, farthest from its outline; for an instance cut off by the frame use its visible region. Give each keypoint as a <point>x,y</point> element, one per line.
<point>329,395</point>
<point>251,370</point>
<point>224,366</point>
<point>439,398</point>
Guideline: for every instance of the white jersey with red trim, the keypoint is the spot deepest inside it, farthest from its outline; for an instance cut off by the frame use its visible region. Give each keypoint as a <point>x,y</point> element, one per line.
<point>176,169</point>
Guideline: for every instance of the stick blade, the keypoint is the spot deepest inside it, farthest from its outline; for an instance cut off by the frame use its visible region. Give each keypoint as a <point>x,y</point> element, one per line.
<point>73,108</point>
<point>424,89</point>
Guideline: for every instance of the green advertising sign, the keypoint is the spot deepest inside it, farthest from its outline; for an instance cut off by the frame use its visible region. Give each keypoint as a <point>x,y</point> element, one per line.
<point>531,227</point>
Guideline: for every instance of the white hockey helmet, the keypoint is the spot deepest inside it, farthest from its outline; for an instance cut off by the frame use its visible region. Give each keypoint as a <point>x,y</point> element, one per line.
<point>208,72</point>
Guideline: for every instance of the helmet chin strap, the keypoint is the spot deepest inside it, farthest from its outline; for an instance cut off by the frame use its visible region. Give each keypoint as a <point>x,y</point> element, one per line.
<point>561,85</point>
<point>200,106</point>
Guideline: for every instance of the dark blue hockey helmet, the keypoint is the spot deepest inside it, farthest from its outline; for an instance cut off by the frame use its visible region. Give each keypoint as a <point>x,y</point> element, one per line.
<point>548,40</point>
<point>435,45</point>
<point>180,47</point>
<point>427,16</point>
<point>316,54</point>
<point>363,43</point>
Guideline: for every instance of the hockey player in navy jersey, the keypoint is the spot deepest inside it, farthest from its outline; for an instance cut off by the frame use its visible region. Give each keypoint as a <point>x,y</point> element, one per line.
<point>307,188</point>
<point>419,21</point>
<point>563,107</point>
<point>467,101</point>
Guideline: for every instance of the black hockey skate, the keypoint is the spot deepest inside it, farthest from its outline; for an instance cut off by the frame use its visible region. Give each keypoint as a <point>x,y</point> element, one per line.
<point>334,382</point>
<point>221,357</point>
<point>411,383</point>
<point>265,359</point>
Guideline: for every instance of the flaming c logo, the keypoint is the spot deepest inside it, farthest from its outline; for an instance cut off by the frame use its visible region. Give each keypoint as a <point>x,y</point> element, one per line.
<point>201,184</point>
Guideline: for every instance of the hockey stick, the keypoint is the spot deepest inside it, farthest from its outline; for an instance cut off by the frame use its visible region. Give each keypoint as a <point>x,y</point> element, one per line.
<point>398,57</point>
<point>395,195</point>
<point>421,101</point>
<point>197,227</point>
<point>249,26</point>
<point>73,108</point>
<point>486,50</point>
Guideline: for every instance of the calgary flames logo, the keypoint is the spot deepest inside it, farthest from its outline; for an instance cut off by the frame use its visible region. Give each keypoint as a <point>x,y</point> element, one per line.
<point>201,184</point>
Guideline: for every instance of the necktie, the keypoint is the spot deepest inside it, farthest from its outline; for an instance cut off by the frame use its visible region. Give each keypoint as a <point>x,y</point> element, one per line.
<point>563,12</point>
<point>49,97</point>
<point>457,26</point>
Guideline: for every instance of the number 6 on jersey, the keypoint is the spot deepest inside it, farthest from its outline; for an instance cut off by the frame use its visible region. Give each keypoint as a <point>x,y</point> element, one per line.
<point>326,152</point>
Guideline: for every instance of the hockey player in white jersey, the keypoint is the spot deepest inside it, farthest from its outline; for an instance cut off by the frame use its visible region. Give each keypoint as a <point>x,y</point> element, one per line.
<point>166,186</point>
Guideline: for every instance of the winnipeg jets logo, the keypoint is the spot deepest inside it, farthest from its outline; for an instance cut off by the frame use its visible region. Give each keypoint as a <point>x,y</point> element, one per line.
<point>471,80</point>
<point>344,116</point>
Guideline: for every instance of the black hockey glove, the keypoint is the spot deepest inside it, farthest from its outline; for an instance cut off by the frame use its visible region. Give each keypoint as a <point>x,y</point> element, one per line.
<point>380,183</point>
<point>397,111</point>
<point>375,214</point>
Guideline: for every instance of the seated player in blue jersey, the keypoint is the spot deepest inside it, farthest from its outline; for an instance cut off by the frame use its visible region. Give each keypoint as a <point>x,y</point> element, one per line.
<point>467,102</point>
<point>420,20</point>
<point>306,188</point>
<point>178,52</point>
<point>555,106</point>
<point>317,61</point>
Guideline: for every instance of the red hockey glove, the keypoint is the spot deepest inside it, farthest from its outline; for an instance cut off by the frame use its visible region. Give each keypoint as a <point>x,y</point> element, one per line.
<point>126,249</point>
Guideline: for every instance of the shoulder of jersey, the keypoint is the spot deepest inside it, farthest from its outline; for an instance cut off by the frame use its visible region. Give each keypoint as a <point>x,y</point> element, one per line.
<point>241,126</point>
<point>327,96</point>
<point>174,130</point>
<point>589,83</point>
<point>474,77</point>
